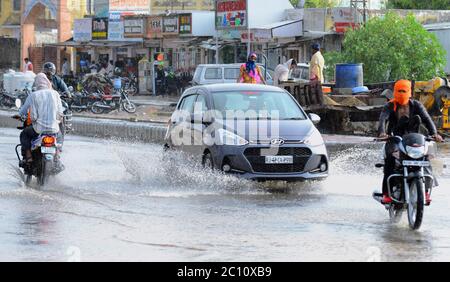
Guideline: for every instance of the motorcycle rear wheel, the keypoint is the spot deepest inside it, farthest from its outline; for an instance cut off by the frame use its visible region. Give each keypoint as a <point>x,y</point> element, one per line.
<point>96,109</point>
<point>395,213</point>
<point>28,179</point>
<point>46,168</point>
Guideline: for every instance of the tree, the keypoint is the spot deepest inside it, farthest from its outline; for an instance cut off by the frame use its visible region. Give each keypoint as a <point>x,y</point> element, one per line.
<point>392,48</point>
<point>316,3</point>
<point>419,4</point>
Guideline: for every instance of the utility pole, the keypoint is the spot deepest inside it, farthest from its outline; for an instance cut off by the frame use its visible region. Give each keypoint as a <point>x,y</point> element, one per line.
<point>359,5</point>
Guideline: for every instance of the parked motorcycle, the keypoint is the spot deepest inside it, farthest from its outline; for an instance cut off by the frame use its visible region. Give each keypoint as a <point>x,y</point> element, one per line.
<point>8,100</point>
<point>117,101</point>
<point>130,84</point>
<point>413,176</point>
<point>83,101</point>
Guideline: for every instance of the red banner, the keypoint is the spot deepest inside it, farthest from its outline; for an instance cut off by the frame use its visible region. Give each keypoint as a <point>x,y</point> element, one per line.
<point>231,6</point>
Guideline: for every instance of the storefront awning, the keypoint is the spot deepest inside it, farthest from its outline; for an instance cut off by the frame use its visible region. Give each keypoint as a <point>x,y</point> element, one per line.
<point>291,28</point>
<point>96,43</point>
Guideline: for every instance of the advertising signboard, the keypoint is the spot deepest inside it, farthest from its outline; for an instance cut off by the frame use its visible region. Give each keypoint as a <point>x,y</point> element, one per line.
<point>170,25</point>
<point>99,28</point>
<point>185,23</point>
<point>82,30</point>
<point>154,27</point>
<point>231,14</point>
<point>133,27</point>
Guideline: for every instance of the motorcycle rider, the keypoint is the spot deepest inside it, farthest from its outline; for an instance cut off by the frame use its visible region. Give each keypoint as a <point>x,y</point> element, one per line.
<point>404,116</point>
<point>46,112</point>
<point>57,82</point>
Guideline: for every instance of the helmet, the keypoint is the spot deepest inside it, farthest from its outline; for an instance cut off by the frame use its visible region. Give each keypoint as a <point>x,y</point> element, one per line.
<point>49,68</point>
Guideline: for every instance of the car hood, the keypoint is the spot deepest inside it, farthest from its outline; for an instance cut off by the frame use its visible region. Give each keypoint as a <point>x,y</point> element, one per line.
<point>263,130</point>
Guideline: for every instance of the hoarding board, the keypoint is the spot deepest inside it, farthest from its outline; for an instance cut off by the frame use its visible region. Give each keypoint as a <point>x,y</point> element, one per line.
<point>170,25</point>
<point>231,14</point>
<point>185,23</point>
<point>82,30</point>
<point>99,28</point>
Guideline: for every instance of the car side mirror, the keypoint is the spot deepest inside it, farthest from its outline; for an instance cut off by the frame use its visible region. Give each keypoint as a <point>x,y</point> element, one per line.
<point>314,118</point>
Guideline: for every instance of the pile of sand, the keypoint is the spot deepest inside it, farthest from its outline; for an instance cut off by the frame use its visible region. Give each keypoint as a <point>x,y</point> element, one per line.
<point>353,102</point>
<point>329,102</point>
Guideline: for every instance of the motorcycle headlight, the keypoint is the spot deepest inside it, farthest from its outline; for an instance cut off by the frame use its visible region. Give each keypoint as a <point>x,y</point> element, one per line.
<point>416,152</point>
<point>225,137</point>
<point>314,139</point>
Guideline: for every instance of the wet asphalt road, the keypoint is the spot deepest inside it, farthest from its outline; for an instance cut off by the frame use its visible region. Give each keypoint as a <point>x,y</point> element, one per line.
<point>121,202</point>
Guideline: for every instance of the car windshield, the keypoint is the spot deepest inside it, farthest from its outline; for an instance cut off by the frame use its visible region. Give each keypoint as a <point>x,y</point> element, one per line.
<point>257,105</point>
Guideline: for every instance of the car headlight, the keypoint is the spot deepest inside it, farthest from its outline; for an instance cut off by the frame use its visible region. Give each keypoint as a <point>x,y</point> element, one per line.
<point>314,139</point>
<point>225,137</point>
<point>416,152</point>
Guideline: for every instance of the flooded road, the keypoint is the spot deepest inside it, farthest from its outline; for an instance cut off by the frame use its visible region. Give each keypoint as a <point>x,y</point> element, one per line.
<point>119,202</point>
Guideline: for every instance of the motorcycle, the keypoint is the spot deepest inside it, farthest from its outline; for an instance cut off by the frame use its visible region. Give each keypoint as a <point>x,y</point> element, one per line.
<point>130,84</point>
<point>413,176</point>
<point>8,100</point>
<point>117,101</point>
<point>45,151</point>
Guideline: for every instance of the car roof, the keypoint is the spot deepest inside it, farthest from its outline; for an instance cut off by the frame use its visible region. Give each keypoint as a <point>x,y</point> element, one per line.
<point>226,65</point>
<point>224,87</point>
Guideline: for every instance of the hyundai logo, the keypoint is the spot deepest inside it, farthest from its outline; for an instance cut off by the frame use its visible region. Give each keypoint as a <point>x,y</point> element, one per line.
<point>277,142</point>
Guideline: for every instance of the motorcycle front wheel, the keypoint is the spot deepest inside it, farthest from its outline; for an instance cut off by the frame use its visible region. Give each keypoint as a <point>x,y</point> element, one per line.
<point>129,107</point>
<point>416,204</point>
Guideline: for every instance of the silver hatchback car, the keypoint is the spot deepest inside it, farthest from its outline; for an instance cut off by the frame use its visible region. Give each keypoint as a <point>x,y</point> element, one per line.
<point>255,132</point>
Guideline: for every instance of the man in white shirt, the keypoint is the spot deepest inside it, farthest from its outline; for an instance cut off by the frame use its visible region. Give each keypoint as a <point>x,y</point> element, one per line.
<point>28,66</point>
<point>65,68</point>
<point>45,109</point>
<point>282,71</point>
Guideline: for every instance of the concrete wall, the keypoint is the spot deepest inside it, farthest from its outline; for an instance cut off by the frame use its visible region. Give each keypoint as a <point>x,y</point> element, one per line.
<point>444,39</point>
<point>103,128</point>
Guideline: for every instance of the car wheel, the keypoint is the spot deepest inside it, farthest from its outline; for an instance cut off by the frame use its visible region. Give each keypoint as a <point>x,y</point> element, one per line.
<point>208,162</point>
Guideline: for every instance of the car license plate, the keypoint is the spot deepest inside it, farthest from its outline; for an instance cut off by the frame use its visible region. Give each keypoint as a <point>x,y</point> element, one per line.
<point>279,159</point>
<point>48,150</point>
<point>416,163</point>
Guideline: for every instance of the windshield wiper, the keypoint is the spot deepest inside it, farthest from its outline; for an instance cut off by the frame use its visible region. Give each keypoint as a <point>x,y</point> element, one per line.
<point>294,118</point>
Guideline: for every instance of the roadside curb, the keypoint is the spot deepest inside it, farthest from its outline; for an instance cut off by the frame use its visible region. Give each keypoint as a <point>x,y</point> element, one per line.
<point>105,128</point>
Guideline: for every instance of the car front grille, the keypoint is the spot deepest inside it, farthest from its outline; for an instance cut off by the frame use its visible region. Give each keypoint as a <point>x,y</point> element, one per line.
<point>301,156</point>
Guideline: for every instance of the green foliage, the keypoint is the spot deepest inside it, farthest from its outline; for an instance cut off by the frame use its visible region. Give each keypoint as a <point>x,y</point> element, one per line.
<point>392,48</point>
<point>419,4</point>
<point>317,3</point>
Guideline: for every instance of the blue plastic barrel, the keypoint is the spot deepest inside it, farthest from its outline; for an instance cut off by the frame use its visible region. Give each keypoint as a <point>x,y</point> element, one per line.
<point>349,75</point>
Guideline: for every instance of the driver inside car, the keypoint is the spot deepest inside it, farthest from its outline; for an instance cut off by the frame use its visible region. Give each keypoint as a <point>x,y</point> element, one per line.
<point>403,115</point>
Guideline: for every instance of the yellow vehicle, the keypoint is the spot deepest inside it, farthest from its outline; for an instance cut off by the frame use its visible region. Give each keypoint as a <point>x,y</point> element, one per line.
<point>435,96</point>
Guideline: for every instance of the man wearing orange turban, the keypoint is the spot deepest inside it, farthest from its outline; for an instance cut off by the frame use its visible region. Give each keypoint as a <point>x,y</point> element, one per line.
<point>403,115</point>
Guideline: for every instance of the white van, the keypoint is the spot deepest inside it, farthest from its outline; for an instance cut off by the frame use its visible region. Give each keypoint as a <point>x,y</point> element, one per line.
<point>222,73</point>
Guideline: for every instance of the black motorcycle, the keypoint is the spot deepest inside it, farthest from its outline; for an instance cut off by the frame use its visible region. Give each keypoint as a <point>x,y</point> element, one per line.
<point>130,84</point>
<point>8,100</point>
<point>413,176</point>
<point>45,151</point>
